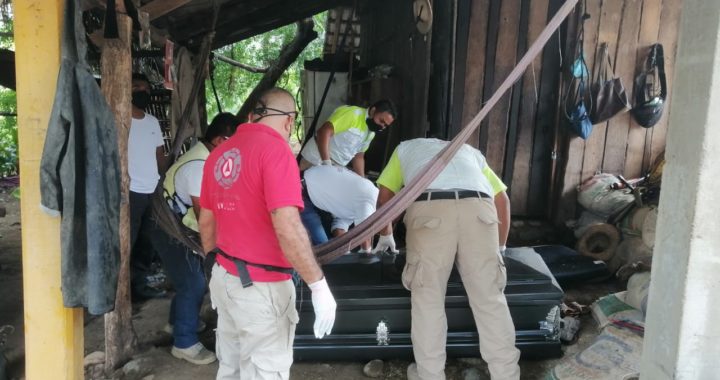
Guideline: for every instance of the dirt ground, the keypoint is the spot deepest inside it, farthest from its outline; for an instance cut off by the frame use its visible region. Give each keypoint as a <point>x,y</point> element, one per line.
<point>150,317</point>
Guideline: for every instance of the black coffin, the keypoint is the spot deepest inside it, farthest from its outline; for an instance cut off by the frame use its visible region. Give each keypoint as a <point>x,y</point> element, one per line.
<point>371,299</point>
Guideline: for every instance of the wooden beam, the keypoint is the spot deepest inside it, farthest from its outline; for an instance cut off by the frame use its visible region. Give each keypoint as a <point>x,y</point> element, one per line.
<point>53,333</point>
<point>241,65</point>
<point>159,8</point>
<point>475,65</point>
<point>457,88</point>
<point>540,169</point>
<point>305,35</point>
<point>520,184</point>
<point>616,144</point>
<point>505,58</point>
<point>668,37</point>
<point>116,69</point>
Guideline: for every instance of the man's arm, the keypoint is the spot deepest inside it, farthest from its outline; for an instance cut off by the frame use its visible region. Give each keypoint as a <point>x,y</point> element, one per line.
<point>384,196</point>
<point>206,225</point>
<point>502,206</point>
<point>295,244</point>
<point>162,160</point>
<point>322,138</point>
<point>196,206</point>
<point>358,164</point>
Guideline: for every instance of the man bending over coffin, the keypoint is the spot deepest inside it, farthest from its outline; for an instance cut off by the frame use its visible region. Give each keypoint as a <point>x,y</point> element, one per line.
<point>341,140</point>
<point>463,217</point>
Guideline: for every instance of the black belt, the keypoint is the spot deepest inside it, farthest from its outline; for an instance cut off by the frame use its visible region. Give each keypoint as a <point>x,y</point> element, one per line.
<point>241,266</point>
<point>457,194</point>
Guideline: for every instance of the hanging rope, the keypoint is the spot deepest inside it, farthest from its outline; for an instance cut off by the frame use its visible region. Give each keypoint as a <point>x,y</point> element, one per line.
<point>184,130</point>
<point>212,82</point>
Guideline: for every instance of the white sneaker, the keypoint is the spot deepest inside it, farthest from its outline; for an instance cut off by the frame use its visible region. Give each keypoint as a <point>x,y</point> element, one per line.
<point>195,354</point>
<point>168,328</point>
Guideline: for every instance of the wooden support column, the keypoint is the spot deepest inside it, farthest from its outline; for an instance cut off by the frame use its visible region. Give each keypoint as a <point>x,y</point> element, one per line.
<point>53,333</point>
<point>116,69</point>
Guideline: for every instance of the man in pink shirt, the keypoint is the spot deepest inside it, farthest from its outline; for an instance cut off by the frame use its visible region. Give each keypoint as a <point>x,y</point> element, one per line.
<point>250,202</point>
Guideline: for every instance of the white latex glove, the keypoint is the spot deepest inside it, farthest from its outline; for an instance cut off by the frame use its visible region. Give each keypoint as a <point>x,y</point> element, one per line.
<point>326,162</point>
<point>324,306</point>
<point>384,243</point>
<point>502,250</point>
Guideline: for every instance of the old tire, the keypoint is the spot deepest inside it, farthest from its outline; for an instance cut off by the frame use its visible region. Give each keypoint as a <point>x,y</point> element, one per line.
<point>599,242</point>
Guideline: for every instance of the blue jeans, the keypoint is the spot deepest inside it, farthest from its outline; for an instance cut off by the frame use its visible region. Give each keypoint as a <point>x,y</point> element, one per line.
<point>312,222</point>
<point>185,270</point>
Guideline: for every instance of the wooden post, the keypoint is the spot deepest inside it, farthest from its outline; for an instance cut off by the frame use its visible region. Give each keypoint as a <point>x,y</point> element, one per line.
<point>116,69</point>
<point>53,333</point>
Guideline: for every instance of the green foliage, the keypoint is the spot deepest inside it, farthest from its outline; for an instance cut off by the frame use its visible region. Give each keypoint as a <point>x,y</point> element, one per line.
<point>8,104</point>
<point>8,134</point>
<point>234,84</point>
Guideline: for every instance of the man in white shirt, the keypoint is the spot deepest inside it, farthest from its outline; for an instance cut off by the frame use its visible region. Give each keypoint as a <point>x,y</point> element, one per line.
<point>463,217</point>
<point>348,197</point>
<point>146,158</point>
<point>342,140</point>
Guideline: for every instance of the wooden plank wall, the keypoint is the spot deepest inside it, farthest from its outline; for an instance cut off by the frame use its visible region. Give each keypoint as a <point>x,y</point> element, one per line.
<point>389,37</point>
<point>619,145</point>
<point>517,135</point>
<point>525,138</point>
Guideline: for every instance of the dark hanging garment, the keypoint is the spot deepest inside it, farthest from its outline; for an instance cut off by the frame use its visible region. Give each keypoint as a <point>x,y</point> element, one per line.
<point>80,177</point>
<point>607,92</point>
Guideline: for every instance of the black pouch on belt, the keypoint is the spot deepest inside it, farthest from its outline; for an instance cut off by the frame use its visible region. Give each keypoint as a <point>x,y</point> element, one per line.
<point>241,266</point>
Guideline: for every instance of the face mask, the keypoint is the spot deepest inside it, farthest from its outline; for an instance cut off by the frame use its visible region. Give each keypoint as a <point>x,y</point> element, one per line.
<point>140,99</point>
<point>373,126</point>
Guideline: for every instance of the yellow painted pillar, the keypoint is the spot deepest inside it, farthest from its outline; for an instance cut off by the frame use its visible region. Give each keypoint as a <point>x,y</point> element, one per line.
<point>53,333</point>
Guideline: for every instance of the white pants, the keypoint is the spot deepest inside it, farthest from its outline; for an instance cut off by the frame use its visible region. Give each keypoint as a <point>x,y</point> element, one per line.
<point>341,192</point>
<point>256,327</point>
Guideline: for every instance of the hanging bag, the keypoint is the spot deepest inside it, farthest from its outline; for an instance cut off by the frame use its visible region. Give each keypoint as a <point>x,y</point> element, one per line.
<point>607,92</point>
<point>651,89</point>
<point>576,93</point>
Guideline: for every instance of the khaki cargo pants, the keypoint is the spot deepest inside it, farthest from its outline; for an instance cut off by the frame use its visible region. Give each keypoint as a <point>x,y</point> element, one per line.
<point>256,327</point>
<point>465,231</point>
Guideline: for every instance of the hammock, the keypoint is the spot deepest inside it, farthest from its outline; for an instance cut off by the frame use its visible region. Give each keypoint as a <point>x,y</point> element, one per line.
<point>334,248</point>
<point>327,252</point>
<point>169,221</point>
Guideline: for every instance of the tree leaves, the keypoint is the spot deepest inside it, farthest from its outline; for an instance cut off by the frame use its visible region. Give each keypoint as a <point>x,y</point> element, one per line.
<point>8,104</point>
<point>234,84</point>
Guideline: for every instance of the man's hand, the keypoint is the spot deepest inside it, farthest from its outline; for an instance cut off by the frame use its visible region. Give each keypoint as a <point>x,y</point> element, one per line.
<point>324,306</point>
<point>384,243</point>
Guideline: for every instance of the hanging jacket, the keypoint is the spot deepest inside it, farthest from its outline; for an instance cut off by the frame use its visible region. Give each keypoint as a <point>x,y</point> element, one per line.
<point>197,153</point>
<point>80,177</point>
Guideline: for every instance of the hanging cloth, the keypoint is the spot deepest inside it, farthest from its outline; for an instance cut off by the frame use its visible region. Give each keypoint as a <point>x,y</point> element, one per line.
<point>576,94</point>
<point>80,177</point>
<point>607,92</point>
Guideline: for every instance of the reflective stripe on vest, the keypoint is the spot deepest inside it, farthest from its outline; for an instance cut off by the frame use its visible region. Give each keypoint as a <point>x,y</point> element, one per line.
<point>199,152</point>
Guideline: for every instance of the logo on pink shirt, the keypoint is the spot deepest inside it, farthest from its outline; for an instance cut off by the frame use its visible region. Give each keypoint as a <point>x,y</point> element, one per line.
<point>227,168</point>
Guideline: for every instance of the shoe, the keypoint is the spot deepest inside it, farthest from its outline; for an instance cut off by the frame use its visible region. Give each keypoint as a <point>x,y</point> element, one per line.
<point>412,372</point>
<point>147,292</point>
<point>195,354</point>
<point>168,328</point>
